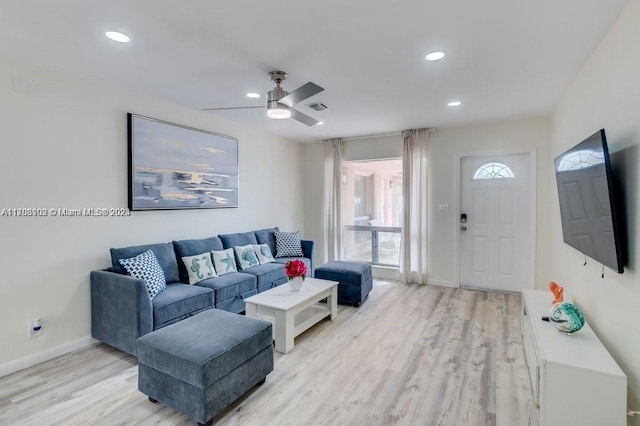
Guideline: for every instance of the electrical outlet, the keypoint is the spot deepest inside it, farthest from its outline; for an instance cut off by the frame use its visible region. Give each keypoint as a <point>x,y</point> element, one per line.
<point>35,328</point>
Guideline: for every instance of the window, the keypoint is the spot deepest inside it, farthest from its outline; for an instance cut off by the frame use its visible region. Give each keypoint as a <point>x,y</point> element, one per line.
<point>372,211</point>
<point>493,171</point>
<point>361,190</point>
<point>580,160</point>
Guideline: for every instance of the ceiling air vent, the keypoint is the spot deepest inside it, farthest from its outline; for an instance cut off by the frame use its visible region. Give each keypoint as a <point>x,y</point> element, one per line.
<point>318,106</point>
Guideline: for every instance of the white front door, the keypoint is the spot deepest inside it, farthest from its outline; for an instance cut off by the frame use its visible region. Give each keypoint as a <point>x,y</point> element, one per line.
<point>495,222</point>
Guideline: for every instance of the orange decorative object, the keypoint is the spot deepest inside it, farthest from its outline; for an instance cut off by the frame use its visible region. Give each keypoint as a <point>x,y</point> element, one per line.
<point>558,292</point>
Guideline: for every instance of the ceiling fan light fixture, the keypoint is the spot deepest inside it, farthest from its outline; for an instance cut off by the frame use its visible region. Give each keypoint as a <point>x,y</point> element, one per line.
<point>278,113</point>
<point>276,110</point>
<point>280,102</point>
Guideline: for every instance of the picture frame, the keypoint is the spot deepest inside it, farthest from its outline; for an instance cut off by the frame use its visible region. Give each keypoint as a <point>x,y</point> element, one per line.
<point>174,167</point>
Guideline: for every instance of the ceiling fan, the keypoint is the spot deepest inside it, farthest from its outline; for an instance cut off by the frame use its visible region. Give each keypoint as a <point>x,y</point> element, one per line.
<point>280,102</point>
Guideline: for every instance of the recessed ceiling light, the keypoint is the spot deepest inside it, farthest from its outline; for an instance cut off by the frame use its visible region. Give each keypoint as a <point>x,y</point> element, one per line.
<point>319,123</point>
<point>435,56</point>
<point>116,36</point>
<point>454,103</point>
<point>253,95</point>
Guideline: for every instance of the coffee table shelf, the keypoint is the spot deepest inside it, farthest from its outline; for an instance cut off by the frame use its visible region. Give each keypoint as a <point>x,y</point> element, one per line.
<point>292,313</point>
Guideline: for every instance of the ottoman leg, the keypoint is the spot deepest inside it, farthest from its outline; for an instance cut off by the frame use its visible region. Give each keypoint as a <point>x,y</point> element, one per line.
<point>206,424</point>
<point>155,401</point>
<point>262,382</point>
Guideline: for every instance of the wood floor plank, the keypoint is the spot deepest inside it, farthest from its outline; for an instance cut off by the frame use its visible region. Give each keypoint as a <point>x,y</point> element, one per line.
<point>410,355</point>
<point>514,398</point>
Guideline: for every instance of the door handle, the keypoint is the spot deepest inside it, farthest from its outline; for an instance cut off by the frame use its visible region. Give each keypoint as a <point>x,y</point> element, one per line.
<point>463,218</point>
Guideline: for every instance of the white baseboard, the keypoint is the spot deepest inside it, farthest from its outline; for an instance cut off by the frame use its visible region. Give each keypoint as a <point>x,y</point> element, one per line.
<point>31,360</point>
<point>443,283</point>
<point>385,273</point>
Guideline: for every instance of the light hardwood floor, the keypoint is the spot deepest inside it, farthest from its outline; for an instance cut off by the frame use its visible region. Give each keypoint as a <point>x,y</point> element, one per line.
<point>410,355</point>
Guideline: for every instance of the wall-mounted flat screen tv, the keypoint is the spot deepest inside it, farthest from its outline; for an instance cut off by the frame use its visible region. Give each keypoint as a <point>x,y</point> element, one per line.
<point>588,206</point>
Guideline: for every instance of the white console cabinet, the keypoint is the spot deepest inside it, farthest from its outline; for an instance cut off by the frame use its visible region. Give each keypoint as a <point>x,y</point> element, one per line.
<point>575,381</point>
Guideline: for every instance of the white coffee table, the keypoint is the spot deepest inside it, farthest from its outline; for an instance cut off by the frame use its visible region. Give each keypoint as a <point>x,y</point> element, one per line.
<point>294,312</point>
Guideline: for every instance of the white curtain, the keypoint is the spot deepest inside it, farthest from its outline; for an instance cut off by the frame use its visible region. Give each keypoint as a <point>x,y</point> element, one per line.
<point>413,251</point>
<point>333,153</point>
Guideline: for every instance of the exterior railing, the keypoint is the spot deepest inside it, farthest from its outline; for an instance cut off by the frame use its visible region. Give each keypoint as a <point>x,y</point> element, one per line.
<point>378,245</point>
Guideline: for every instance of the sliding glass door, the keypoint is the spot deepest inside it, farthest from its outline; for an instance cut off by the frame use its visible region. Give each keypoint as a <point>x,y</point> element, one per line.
<point>372,204</point>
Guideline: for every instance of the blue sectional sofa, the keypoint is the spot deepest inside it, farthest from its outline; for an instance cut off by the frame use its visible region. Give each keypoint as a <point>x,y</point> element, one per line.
<point>122,310</point>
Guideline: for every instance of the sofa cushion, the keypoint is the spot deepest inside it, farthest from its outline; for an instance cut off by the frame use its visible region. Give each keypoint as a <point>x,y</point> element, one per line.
<point>191,248</point>
<point>230,286</point>
<point>179,301</point>
<point>264,253</point>
<point>199,267</point>
<point>240,239</point>
<point>265,236</point>
<point>267,273</point>
<point>145,266</point>
<point>164,253</point>
<point>224,261</point>
<point>288,244</point>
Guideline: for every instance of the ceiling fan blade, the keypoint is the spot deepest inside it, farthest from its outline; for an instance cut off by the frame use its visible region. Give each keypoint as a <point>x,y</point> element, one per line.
<point>303,118</point>
<point>300,94</point>
<point>219,109</point>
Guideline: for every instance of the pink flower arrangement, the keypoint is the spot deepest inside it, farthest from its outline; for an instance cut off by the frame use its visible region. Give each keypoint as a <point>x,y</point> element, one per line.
<point>295,268</point>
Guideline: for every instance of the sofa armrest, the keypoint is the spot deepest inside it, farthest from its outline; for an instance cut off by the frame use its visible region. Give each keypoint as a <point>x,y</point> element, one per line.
<point>307,250</point>
<point>121,309</point>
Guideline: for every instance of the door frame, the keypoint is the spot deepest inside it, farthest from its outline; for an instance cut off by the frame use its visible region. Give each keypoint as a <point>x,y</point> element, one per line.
<point>532,200</point>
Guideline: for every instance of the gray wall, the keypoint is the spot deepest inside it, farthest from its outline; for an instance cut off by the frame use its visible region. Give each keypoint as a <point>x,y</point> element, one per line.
<point>67,148</point>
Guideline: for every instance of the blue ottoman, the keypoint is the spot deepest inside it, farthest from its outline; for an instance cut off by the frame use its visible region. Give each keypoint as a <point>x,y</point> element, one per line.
<point>201,364</point>
<point>355,280</point>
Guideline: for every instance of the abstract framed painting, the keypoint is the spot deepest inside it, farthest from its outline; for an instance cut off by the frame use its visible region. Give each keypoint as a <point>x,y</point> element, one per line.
<point>178,167</point>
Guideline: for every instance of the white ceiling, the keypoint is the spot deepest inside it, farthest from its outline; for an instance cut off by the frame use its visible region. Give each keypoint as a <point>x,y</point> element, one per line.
<point>505,58</point>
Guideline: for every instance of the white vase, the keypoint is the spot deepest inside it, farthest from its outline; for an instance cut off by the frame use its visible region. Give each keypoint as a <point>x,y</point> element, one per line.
<point>296,283</point>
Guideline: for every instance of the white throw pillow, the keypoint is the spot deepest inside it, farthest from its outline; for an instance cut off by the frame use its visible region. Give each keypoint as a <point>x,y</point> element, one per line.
<point>145,266</point>
<point>264,253</point>
<point>224,261</point>
<point>199,267</point>
<point>288,244</point>
<point>246,256</point>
